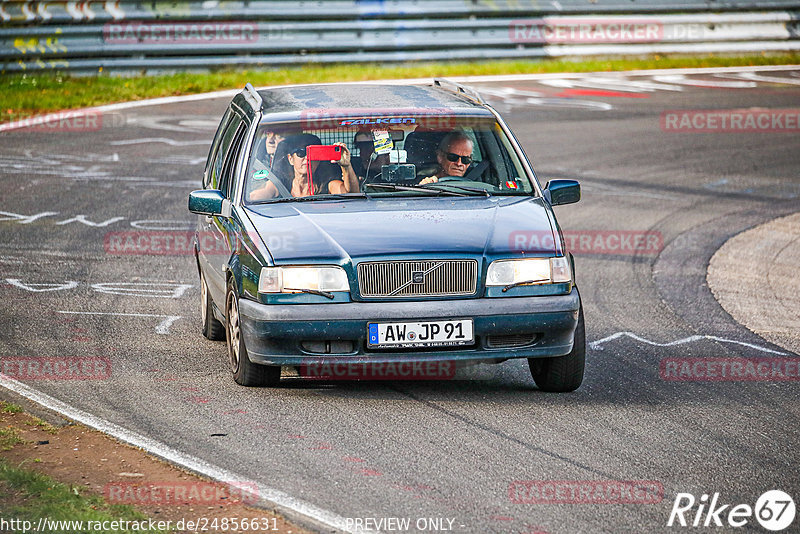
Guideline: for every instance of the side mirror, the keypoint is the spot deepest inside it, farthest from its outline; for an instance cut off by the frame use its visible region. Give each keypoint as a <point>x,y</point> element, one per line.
<point>207,202</point>
<point>559,192</point>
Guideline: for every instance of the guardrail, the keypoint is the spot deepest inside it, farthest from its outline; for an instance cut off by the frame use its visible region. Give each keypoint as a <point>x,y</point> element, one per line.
<point>138,36</point>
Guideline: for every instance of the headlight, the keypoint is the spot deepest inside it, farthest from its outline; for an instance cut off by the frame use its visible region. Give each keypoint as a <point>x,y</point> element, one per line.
<point>294,279</point>
<point>529,271</point>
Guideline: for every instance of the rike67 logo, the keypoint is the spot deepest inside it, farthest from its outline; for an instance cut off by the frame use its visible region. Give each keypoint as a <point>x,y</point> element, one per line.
<point>774,510</point>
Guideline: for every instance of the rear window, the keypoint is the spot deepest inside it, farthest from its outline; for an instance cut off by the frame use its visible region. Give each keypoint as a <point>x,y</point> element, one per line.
<point>390,155</point>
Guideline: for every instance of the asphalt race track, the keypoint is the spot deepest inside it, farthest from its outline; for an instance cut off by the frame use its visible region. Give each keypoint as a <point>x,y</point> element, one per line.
<point>449,449</point>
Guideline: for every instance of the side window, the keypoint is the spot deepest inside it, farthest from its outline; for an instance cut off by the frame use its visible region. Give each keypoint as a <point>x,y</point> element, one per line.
<point>487,147</point>
<point>217,162</point>
<point>226,176</point>
<point>213,152</point>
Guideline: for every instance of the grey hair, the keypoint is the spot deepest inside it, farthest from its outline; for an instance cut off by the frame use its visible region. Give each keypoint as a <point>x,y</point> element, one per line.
<point>452,137</point>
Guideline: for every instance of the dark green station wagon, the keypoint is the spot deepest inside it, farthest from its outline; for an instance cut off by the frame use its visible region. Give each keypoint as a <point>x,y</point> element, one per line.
<point>378,231</point>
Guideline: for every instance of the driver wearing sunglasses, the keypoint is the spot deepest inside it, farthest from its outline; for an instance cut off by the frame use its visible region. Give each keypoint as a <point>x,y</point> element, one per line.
<point>454,156</point>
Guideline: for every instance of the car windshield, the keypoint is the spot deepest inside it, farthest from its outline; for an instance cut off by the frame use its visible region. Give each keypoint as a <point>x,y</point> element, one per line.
<point>389,156</point>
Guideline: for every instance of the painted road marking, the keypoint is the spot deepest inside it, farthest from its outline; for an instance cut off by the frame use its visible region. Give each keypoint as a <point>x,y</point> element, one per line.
<point>761,78</point>
<point>145,224</point>
<point>39,288</point>
<point>82,219</point>
<point>169,290</point>
<point>613,83</point>
<point>171,142</point>
<point>161,328</point>
<point>514,97</point>
<point>598,345</point>
<point>24,219</point>
<point>196,124</point>
<point>682,79</point>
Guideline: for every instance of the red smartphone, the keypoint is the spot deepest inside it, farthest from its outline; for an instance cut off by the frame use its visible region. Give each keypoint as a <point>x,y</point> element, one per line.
<point>321,153</point>
<point>324,152</point>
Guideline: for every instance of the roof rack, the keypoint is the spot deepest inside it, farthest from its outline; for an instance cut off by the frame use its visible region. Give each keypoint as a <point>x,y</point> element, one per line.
<point>252,97</point>
<point>468,92</point>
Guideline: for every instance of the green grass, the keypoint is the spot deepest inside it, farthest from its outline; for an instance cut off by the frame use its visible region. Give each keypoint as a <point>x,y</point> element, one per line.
<point>28,496</point>
<point>8,407</point>
<point>24,95</point>
<point>8,438</point>
<point>43,425</point>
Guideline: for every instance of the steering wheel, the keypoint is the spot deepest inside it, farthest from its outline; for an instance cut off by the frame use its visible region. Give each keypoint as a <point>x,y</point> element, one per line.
<point>471,175</point>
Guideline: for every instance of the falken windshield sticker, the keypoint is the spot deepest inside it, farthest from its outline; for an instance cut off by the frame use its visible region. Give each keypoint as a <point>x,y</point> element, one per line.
<point>379,120</point>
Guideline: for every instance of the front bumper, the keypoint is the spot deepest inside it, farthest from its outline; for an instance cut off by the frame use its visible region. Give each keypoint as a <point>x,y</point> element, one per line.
<point>295,334</point>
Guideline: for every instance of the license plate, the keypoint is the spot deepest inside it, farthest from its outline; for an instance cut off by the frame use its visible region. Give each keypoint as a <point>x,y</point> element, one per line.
<point>421,334</point>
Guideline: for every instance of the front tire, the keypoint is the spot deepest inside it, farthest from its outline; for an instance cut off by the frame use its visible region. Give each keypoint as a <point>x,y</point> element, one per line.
<point>562,373</point>
<point>245,372</point>
<point>212,329</point>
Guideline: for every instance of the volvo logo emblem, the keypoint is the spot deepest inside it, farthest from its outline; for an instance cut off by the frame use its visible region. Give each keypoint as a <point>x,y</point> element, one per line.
<point>417,277</point>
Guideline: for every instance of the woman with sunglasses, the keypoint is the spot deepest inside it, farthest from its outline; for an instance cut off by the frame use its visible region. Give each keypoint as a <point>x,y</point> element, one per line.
<point>454,156</point>
<point>290,168</point>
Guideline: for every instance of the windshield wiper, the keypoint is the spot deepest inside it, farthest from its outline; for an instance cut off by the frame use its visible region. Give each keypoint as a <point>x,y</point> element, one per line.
<point>312,292</point>
<point>523,283</point>
<point>338,196</point>
<point>418,188</point>
<point>464,188</point>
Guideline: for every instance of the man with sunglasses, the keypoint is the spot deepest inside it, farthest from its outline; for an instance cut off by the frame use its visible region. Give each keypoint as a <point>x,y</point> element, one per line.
<point>454,156</point>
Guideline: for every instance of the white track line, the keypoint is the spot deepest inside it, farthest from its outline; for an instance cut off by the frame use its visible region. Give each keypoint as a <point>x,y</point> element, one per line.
<point>597,345</point>
<point>266,494</point>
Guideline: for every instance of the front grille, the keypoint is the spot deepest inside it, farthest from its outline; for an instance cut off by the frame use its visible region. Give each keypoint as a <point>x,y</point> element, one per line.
<point>417,278</point>
<point>509,341</point>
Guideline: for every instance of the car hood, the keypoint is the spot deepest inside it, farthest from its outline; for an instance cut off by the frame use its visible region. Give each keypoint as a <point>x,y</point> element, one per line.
<point>356,229</point>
